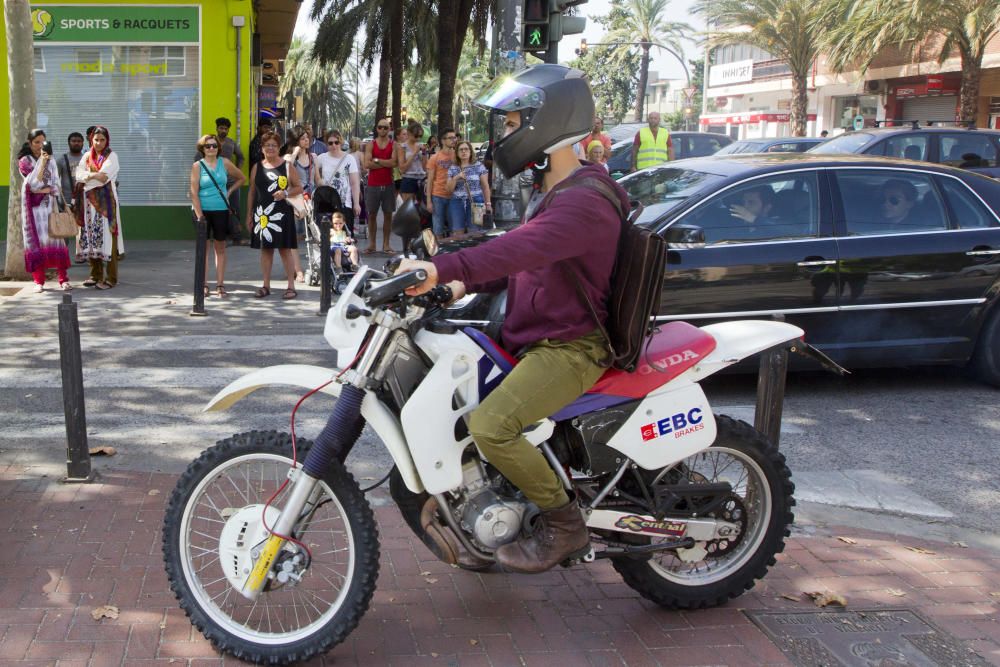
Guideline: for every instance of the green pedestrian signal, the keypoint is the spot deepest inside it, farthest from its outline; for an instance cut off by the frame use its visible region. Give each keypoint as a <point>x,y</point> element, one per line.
<point>535,37</point>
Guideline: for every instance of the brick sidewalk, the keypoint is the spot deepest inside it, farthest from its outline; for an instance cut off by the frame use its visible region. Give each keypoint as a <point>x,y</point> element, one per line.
<point>75,548</point>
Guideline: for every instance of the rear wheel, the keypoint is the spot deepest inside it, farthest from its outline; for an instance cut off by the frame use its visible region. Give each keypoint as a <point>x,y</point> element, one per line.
<point>712,572</point>
<point>210,540</point>
<point>986,360</point>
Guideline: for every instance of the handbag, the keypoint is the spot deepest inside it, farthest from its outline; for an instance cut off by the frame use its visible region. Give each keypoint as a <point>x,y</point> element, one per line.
<point>298,203</point>
<point>478,210</point>
<point>234,218</point>
<point>62,222</point>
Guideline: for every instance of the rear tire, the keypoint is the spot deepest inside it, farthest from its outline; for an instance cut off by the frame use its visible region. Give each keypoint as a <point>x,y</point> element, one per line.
<point>694,590</point>
<point>986,360</point>
<point>193,556</point>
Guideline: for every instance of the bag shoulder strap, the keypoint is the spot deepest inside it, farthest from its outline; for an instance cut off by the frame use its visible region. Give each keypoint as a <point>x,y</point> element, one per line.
<point>216,184</point>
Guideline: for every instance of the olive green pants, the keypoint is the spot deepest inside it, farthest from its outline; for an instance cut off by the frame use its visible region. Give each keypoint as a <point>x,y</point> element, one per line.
<point>550,376</point>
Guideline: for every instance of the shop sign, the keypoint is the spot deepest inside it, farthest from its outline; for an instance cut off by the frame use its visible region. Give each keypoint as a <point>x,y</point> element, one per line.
<point>737,72</point>
<point>114,24</point>
<point>934,85</point>
<point>267,96</point>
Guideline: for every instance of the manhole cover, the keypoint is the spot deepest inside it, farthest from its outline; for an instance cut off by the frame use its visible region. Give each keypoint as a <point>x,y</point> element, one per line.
<point>877,638</point>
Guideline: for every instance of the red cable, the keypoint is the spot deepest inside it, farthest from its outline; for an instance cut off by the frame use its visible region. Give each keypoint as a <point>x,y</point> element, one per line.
<point>295,454</point>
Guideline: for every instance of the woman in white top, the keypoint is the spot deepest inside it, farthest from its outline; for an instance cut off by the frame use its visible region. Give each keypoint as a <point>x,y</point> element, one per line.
<point>101,236</point>
<point>412,160</point>
<point>340,170</point>
<point>303,161</point>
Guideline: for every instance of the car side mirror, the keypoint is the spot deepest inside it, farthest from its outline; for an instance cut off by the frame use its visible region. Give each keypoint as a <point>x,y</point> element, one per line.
<point>683,237</point>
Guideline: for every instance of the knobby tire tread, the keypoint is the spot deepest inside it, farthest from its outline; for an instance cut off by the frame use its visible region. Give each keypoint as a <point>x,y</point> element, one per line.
<point>639,576</point>
<point>365,533</point>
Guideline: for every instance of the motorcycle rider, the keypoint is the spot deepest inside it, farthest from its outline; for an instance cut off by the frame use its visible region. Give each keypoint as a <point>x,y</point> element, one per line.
<point>547,110</point>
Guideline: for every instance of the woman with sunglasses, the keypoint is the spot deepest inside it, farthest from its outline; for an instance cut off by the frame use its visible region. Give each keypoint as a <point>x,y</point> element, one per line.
<point>210,199</point>
<point>270,218</point>
<point>339,169</point>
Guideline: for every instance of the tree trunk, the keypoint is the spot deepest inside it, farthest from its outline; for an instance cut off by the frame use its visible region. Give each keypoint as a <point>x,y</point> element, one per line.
<point>640,98</point>
<point>21,78</point>
<point>397,57</point>
<point>447,62</point>
<point>968,93</point>
<point>382,100</point>
<point>800,102</point>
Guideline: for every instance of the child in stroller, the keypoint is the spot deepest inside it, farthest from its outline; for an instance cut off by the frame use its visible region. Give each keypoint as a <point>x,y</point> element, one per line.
<point>327,204</point>
<point>342,244</point>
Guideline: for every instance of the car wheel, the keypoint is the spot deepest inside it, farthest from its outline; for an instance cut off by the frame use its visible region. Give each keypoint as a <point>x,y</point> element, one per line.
<point>986,360</point>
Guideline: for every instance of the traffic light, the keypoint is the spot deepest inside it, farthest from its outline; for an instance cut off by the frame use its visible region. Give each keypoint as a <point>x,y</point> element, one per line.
<point>582,50</point>
<point>535,19</point>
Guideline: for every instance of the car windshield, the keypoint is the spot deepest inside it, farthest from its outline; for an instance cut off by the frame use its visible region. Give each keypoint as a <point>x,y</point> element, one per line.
<point>742,147</point>
<point>845,143</point>
<point>661,189</point>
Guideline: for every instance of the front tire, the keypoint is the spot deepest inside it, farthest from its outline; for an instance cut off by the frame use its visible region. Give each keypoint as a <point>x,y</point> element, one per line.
<point>286,623</point>
<point>763,491</point>
<point>986,360</point>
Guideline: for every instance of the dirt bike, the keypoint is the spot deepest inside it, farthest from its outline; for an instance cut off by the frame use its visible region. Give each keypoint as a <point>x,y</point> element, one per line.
<point>272,549</point>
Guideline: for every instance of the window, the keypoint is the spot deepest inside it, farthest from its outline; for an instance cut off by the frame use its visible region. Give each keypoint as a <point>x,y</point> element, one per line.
<point>878,202</point>
<point>844,144</point>
<point>701,146</point>
<point>661,188</point>
<point>39,58</point>
<point>968,149</point>
<point>777,207</point>
<point>966,209</point>
<point>909,146</point>
<point>154,118</point>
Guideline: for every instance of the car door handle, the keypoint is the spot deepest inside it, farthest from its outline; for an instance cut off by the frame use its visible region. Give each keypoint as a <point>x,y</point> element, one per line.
<point>980,253</point>
<point>817,262</point>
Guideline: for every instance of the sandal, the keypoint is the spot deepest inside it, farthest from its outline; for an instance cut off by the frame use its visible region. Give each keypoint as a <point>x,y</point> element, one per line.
<point>370,249</point>
<point>207,291</point>
<point>262,292</point>
<point>89,282</point>
<point>104,285</point>
<point>289,294</point>
<point>221,291</point>
<point>39,288</point>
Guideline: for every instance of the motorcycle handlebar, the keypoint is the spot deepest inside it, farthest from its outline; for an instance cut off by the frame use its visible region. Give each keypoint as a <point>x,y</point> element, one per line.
<point>387,290</point>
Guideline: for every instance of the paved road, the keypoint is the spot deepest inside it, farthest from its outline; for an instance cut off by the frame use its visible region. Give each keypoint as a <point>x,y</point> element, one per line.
<point>920,442</point>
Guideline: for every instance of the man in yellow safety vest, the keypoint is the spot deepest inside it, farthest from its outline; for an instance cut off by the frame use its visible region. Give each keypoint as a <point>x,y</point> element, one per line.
<point>652,145</point>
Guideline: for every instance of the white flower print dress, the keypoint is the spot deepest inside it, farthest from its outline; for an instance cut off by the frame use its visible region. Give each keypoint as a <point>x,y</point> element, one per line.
<point>273,221</point>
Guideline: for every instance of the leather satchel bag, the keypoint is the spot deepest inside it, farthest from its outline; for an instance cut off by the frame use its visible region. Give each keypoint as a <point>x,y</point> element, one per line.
<point>62,222</point>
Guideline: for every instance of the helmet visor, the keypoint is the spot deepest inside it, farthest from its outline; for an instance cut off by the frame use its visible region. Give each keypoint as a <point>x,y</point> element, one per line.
<point>506,94</point>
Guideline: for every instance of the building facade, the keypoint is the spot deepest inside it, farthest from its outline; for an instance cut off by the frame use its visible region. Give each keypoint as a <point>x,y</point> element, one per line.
<point>157,75</point>
<point>748,93</point>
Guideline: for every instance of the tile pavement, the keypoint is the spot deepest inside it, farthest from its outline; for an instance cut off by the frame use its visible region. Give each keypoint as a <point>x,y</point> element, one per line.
<point>73,548</point>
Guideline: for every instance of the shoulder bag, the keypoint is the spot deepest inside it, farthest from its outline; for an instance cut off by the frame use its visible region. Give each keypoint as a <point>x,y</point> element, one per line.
<point>234,218</point>
<point>478,210</point>
<point>62,222</point>
<point>298,201</point>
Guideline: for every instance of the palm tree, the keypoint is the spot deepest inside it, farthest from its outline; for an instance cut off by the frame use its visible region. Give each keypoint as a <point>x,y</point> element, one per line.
<point>17,22</point>
<point>455,18</point>
<point>646,24</point>
<point>864,28</point>
<point>790,30</point>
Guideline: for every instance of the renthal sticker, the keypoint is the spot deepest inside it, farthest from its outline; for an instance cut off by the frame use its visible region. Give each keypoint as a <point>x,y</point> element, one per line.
<point>640,525</point>
<point>680,424</point>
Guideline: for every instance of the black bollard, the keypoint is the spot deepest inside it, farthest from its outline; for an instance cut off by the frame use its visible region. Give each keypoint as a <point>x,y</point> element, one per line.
<point>199,270</point>
<point>71,362</point>
<point>771,392</point>
<point>325,269</point>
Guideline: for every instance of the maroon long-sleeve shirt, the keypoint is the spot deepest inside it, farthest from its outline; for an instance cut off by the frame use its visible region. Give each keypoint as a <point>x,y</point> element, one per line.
<point>579,226</point>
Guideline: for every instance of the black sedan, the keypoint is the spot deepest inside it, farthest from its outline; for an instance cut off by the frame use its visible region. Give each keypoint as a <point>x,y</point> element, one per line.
<point>881,262</point>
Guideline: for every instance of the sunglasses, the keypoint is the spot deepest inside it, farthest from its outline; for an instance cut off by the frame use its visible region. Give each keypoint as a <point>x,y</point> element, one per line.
<point>333,142</point>
<point>211,145</point>
<point>894,200</point>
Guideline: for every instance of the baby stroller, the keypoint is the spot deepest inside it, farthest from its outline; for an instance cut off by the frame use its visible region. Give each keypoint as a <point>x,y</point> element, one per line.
<point>325,202</point>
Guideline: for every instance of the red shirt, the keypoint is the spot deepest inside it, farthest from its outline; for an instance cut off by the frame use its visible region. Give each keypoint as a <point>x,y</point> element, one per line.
<point>381,177</point>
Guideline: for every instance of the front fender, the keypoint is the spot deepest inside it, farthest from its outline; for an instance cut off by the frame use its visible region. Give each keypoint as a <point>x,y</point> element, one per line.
<point>380,417</point>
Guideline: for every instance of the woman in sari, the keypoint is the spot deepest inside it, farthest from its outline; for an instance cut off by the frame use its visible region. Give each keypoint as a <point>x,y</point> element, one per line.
<point>41,186</point>
<point>101,238</point>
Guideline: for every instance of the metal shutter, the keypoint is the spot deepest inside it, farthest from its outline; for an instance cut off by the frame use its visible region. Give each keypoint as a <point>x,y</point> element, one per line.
<point>930,108</point>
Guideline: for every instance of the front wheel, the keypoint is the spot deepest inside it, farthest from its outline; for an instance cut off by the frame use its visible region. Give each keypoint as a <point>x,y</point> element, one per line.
<point>710,573</point>
<point>317,599</point>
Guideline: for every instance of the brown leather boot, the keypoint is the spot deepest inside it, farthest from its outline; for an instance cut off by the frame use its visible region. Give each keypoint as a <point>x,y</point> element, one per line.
<point>561,533</point>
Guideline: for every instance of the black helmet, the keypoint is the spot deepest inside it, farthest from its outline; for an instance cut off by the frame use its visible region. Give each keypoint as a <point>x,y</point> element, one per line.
<point>557,110</point>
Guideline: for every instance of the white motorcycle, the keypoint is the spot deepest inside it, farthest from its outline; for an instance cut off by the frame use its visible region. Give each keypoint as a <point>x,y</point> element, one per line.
<point>272,549</point>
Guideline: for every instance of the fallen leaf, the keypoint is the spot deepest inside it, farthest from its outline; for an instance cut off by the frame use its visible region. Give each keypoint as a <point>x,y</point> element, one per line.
<point>474,642</point>
<point>963,545</point>
<point>163,625</point>
<point>434,655</point>
<point>921,550</point>
<point>107,611</point>
<point>171,302</point>
<point>103,451</point>
<point>995,594</point>
<point>793,598</point>
<point>153,492</point>
<point>821,599</point>
<point>895,591</point>
<point>430,580</point>
<point>424,574</point>
<point>847,540</point>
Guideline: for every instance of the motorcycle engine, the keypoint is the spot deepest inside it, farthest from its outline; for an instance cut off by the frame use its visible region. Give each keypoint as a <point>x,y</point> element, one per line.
<point>489,517</point>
